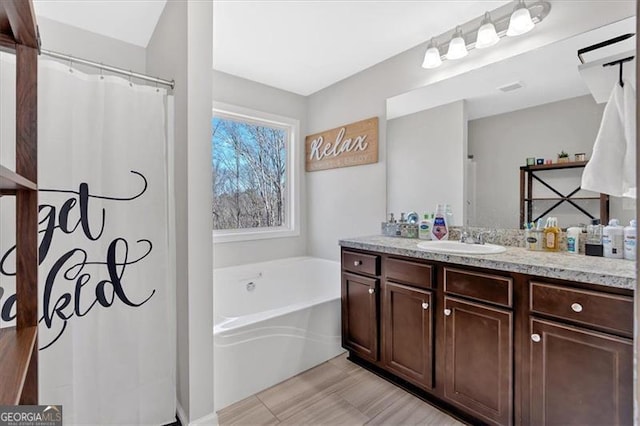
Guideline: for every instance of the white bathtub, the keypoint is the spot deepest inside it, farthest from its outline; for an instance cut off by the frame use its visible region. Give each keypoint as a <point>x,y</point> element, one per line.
<point>273,320</point>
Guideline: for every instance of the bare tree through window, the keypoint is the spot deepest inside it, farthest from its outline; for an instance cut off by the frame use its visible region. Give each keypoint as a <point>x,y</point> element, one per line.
<point>249,174</point>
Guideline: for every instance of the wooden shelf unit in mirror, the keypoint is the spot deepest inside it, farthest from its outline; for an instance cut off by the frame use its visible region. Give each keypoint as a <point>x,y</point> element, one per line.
<point>19,344</point>
<point>528,176</point>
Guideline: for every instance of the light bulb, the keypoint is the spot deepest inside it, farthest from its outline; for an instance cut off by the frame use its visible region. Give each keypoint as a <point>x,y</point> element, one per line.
<point>520,21</point>
<point>457,46</point>
<point>487,35</point>
<point>432,56</point>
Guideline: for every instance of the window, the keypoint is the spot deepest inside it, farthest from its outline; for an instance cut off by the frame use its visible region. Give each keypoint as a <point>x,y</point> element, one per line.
<point>253,174</point>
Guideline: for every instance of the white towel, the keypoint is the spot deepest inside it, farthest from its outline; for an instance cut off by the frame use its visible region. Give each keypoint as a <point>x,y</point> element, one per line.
<point>612,167</point>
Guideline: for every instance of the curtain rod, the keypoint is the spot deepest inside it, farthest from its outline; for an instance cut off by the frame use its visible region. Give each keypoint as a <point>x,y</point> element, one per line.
<point>121,71</point>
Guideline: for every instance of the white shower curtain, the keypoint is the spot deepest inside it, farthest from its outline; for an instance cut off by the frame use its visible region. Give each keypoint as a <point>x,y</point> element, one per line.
<point>107,307</point>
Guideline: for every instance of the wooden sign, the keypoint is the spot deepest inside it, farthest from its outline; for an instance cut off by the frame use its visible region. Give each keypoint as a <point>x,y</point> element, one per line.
<point>350,145</point>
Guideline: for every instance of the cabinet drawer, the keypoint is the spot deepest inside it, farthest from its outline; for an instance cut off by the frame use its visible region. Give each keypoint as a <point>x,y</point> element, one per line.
<point>609,311</point>
<point>409,272</point>
<point>489,288</point>
<point>360,262</point>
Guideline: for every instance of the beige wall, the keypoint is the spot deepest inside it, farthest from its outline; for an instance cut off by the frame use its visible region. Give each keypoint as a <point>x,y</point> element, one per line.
<point>87,45</point>
<point>249,94</point>
<point>426,152</point>
<point>352,201</point>
<point>180,48</point>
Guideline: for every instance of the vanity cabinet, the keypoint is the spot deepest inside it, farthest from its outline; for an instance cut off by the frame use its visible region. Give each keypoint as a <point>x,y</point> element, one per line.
<point>407,317</point>
<point>578,373</point>
<point>478,343</point>
<point>360,304</point>
<point>492,347</point>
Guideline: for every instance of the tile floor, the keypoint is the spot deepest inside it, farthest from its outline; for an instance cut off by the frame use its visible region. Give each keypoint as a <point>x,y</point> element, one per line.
<point>337,392</point>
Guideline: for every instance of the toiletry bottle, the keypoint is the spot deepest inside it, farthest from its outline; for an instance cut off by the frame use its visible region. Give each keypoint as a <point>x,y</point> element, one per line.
<point>440,229</point>
<point>539,236</point>
<point>551,235</point>
<point>424,232</point>
<point>573,239</point>
<point>613,240</point>
<point>449,214</point>
<point>630,238</point>
<point>593,246</point>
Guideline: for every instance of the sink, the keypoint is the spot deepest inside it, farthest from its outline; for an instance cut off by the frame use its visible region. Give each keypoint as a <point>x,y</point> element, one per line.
<point>456,247</point>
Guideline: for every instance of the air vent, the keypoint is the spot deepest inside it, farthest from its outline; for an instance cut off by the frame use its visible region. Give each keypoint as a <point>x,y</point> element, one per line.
<point>511,87</point>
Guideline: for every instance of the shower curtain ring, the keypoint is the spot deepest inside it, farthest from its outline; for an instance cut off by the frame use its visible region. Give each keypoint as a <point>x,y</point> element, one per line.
<point>70,63</point>
<point>157,89</point>
<point>130,77</point>
<point>101,71</point>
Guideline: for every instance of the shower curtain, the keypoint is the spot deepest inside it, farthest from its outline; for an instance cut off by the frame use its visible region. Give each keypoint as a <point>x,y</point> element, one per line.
<point>106,280</point>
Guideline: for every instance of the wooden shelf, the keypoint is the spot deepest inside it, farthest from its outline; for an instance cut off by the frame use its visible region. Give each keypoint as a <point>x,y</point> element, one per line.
<point>16,349</point>
<point>559,198</point>
<point>527,176</point>
<point>11,181</point>
<point>555,166</point>
<point>18,23</point>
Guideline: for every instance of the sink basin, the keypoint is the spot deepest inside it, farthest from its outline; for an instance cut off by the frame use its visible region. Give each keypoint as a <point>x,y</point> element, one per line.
<point>456,247</point>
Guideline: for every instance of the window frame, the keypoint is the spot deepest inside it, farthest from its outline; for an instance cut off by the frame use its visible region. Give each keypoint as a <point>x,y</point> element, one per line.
<point>291,227</point>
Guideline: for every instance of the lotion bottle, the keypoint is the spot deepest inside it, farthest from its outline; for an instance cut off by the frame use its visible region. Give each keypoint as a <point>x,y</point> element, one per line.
<point>630,238</point>
<point>573,239</point>
<point>613,240</point>
<point>424,231</point>
<point>440,229</point>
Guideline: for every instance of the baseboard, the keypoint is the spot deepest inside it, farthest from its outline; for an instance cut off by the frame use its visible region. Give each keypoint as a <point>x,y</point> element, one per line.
<point>181,415</point>
<point>208,420</point>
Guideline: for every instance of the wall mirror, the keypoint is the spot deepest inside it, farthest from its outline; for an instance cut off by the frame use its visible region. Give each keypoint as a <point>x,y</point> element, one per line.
<point>463,140</point>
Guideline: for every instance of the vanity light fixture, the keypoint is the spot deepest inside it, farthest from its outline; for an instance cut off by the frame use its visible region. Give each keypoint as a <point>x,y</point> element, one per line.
<point>487,35</point>
<point>432,56</point>
<point>520,21</point>
<point>508,20</point>
<point>457,46</point>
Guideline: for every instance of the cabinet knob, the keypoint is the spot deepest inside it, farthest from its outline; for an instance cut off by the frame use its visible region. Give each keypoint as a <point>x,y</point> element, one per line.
<point>576,307</point>
<point>371,291</point>
<point>535,337</point>
<point>447,312</point>
<point>425,305</point>
<point>357,262</point>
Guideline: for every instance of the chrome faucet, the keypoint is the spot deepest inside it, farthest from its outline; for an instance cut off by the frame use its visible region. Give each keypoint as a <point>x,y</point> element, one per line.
<point>466,238</point>
<point>480,239</point>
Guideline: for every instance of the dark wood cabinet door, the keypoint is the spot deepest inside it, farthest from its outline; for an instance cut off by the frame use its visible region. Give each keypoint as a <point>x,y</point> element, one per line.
<point>579,377</point>
<point>408,333</point>
<point>479,359</point>
<point>360,315</point>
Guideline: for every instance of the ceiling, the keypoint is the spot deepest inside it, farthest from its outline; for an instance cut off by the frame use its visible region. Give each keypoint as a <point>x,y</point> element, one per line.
<point>305,46</point>
<point>300,46</point>
<point>132,21</point>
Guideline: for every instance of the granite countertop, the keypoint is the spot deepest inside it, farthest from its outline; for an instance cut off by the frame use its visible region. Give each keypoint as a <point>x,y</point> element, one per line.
<point>572,267</point>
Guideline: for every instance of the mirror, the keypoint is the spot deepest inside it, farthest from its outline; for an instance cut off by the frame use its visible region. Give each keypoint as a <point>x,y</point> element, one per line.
<point>463,140</point>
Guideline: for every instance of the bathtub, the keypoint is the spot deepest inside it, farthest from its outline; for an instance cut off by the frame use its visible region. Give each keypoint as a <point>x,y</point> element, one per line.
<point>272,320</point>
